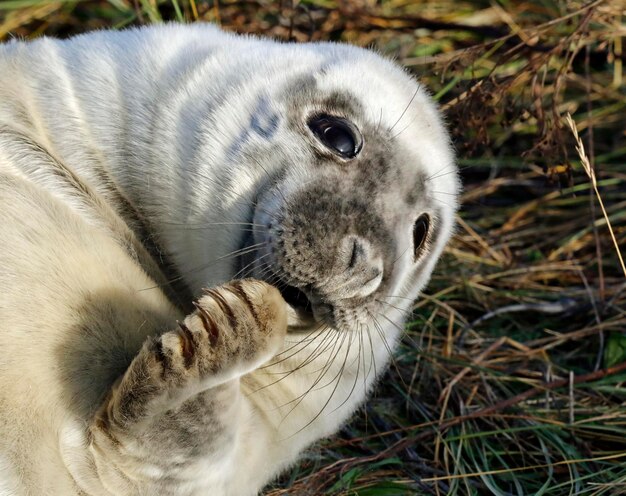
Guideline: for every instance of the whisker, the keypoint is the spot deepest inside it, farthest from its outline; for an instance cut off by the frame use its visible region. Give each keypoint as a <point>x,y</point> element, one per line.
<point>399,257</point>
<point>242,271</point>
<point>337,380</point>
<point>381,333</point>
<point>373,356</point>
<point>322,328</point>
<point>444,203</point>
<point>182,227</point>
<point>210,224</point>
<point>405,108</point>
<point>440,173</point>
<point>380,120</point>
<point>241,251</point>
<point>258,162</point>
<point>392,306</point>
<point>356,377</point>
<point>404,128</point>
<point>398,297</point>
<point>327,367</point>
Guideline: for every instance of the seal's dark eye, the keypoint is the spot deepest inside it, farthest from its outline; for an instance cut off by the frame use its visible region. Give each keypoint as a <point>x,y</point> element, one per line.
<point>338,134</point>
<point>420,233</point>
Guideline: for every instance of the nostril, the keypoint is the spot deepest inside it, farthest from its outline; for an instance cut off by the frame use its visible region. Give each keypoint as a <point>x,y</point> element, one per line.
<point>353,254</point>
<point>358,269</point>
<point>359,256</point>
<point>358,252</point>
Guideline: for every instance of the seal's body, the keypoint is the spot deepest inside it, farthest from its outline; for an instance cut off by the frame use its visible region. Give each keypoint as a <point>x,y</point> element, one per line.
<point>139,167</point>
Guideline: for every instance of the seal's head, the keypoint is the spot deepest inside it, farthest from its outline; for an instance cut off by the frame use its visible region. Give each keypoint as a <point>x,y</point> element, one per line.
<point>360,190</point>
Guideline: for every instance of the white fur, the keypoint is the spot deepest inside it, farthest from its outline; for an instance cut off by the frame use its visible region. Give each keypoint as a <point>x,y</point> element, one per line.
<point>135,106</point>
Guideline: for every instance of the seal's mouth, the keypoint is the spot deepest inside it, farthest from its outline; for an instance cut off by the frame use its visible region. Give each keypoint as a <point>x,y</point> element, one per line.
<point>296,298</point>
<point>301,315</point>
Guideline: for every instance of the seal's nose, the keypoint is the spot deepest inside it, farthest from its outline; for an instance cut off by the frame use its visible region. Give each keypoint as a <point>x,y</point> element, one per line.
<point>357,271</point>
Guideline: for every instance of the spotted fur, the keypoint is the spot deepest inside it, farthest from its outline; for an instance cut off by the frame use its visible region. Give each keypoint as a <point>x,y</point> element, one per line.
<point>159,188</point>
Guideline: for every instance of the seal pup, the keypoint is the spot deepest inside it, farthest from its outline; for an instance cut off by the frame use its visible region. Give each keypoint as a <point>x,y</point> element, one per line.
<point>210,244</point>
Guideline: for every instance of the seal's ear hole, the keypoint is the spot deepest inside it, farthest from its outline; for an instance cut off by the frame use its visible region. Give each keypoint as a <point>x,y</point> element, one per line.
<point>420,233</point>
<point>338,134</point>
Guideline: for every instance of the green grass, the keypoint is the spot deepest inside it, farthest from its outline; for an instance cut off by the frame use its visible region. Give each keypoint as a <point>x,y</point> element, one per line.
<point>479,398</point>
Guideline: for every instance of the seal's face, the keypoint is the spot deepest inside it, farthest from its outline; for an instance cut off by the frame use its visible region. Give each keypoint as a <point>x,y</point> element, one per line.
<point>359,200</point>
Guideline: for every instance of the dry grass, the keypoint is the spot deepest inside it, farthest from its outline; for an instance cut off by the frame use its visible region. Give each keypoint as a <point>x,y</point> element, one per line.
<point>511,378</point>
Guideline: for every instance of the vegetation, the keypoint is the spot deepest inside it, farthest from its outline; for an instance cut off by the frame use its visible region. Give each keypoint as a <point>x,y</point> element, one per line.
<point>511,378</point>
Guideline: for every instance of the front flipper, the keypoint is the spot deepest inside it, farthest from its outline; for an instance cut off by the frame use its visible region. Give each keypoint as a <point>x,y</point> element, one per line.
<point>173,417</point>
